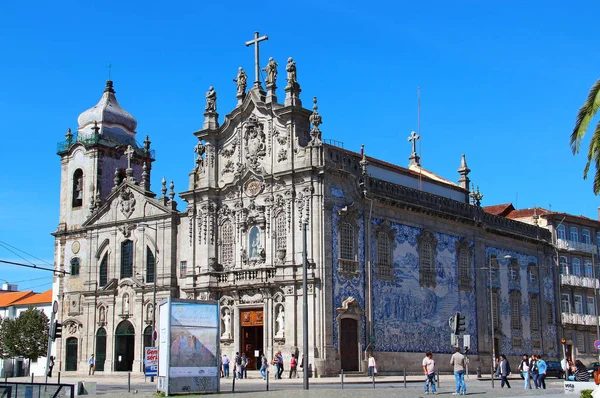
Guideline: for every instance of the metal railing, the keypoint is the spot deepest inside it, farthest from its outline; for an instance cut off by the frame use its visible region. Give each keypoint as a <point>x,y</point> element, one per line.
<point>37,390</point>
<point>565,244</point>
<point>64,146</point>
<point>579,319</point>
<point>579,281</point>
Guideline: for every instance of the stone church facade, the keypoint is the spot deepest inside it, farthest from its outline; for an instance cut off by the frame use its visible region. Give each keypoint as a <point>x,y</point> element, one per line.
<point>393,252</point>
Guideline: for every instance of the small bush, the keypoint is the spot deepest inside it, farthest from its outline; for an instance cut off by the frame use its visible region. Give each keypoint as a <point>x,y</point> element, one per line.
<point>586,393</point>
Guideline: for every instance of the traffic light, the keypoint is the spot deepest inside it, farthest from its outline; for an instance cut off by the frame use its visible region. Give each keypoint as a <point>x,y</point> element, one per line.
<point>459,324</point>
<point>56,330</point>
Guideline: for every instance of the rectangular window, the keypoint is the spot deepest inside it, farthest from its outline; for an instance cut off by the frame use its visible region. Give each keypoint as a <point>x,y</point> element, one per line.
<point>560,232</point>
<point>535,312</point>
<point>281,231</point>
<point>574,234</point>
<point>347,241</point>
<point>587,268</point>
<point>515,310</point>
<point>564,268</point>
<point>578,304</point>
<point>565,302</point>
<point>103,277</point>
<point>598,238</point>
<point>550,313</point>
<point>126,259</point>
<point>495,306</point>
<point>580,341</point>
<point>591,306</point>
<point>182,269</point>
<point>585,235</point>
<point>464,269</point>
<point>150,266</point>
<point>576,267</point>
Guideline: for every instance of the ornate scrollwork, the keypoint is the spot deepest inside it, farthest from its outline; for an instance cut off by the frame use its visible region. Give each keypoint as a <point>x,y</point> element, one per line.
<point>127,202</point>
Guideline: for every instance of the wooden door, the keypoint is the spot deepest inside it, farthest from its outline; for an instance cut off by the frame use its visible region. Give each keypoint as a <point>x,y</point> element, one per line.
<point>251,322</point>
<point>348,340</point>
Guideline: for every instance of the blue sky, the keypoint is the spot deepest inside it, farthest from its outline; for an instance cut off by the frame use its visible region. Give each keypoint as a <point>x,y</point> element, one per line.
<point>500,81</point>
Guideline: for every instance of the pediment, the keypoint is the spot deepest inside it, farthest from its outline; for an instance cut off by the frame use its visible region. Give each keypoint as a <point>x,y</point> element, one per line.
<point>128,202</point>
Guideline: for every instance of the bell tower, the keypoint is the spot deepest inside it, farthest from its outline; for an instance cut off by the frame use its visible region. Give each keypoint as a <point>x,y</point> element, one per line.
<point>94,160</point>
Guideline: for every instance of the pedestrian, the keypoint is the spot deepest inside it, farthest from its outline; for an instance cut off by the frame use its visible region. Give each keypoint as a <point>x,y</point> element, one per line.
<point>275,363</point>
<point>458,360</point>
<point>92,363</point>
<point>524,369</point>
<point>293,365</point>
<point>542,367</point>
<point>281,367</point>
<point>533,369</point>
<point>244,366</point>
<point>503,371</point>
<point>50,366</point>
<point>372,366</point>
<point>238,365</point>
<point>263,366</point>
<point>580,371</point>
<point>225,361</point>
<point>429,370</point>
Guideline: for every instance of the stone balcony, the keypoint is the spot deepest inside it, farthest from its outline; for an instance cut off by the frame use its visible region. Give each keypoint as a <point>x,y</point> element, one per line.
<point>579,281</point>
<point>565,244</point>
<point>579,319</point>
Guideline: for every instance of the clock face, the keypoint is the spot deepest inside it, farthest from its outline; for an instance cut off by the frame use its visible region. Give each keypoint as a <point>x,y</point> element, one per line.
<point>75,247</point>
<point>253,188</point>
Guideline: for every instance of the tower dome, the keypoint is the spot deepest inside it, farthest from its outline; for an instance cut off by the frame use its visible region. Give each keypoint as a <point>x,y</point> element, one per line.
<point>113,121</point>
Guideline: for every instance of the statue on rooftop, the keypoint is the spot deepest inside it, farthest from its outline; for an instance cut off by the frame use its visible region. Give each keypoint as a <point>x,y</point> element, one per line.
<point>291,72</point>
<point>211,100</point>
<point>241,81</point>
<point>271,70</point>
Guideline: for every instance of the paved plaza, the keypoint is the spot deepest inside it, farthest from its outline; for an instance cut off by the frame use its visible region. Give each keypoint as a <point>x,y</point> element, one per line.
<point>115,385</point>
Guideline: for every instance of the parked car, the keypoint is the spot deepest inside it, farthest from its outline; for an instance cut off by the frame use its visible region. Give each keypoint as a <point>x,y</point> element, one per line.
<point>554,369</point>
<point>592,367</point>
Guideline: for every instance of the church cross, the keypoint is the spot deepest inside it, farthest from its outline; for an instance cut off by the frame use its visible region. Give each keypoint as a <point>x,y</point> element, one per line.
<point>129,154</point>
<point>255,41</point>
<point>413,139</point>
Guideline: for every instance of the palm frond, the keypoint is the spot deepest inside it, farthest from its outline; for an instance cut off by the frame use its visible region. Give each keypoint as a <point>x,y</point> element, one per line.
<point>585,114</point>
<point>596,142</point>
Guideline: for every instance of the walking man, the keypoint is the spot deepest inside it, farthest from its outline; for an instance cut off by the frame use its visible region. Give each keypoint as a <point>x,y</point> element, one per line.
<point>263,366</point>
<point>542,367</point>
<point>225,361</point>
<point>92,363</point>
<point>429,369</point>
<point>458,360</point>
<point>503,371</point>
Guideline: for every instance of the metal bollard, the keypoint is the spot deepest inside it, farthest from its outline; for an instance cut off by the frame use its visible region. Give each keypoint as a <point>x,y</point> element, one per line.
<point>128,382</point>
<point>32,378</point>
<point>342,374</point>
<point>267,380</point>
<point>373,378</point>
<point>234,377</point>
<point>404,377</point>
<point>58,378</point>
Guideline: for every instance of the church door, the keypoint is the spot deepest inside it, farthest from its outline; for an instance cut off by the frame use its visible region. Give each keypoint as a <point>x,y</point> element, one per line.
<point>71,360</point>
<point>349,344</point>
<point>100,349</point>
<point>124,345</point>
<point>252,336</point>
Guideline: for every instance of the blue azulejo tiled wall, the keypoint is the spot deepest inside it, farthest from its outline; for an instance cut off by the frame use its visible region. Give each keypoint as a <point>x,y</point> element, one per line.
<point>410,318</point>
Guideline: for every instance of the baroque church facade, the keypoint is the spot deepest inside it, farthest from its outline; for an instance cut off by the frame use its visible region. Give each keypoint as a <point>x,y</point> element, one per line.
<point>393,252</point>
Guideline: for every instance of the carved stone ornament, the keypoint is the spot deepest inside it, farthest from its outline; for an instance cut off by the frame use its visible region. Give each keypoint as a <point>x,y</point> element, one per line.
<point>251,296</point>
<point>127,203</point>
<point>126,229</point>
<point>254,137</point>
<point>350,306</point>
<point>253,187</point>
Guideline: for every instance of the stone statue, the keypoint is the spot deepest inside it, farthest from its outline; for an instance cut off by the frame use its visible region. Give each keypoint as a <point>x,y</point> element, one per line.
<point>280,322</point>
<point>271,70</point>
<point>149,312</point>
<point>227,324</point>
<point>241,81</point>
<point>126,304</point>
<point>102,316</point>
<point>211,100</point>
<point>200,149</point>
<point>291,72</point>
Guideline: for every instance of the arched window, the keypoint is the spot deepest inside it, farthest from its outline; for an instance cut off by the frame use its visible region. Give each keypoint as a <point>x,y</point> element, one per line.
<point>560,232</point>
<point>281,231</point>
<point>103,274</point>
<point>227,242</point>
<point>77,188</point>
<point>75,266</point>
<point>150,266</point>
<point>126,259</point>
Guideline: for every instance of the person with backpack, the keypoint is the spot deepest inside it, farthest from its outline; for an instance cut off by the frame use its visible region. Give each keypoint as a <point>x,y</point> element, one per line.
<point>244,366</point>
<point>280,361</point>
<point>533,369</point>
<point>237,365</point>
<point>293,364</point>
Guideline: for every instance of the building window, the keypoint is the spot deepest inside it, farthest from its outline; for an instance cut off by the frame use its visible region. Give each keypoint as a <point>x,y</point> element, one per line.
<point>182,269</point>
<point>126,259</point>
<point>561,233</point>
<point>281,231</point>
<point>532,273</point>
<point>150,266</point>
<point>535,312</point>
<point>385,269</point>
<point>227,243</point>
<point>465,278</point>
<point>493,264</point>
<point>578,304</point>
<point>574,234</point>
<point>576,267</point>
<point>564,268</point>
<point>598,238</point>
<point>427,271</point>
<point>580,342</point>
<point>585,236</point>
<point>565,302</point>
<point>77,188</point>
<point>515,310</point>
<point>495,306</point>
<point>587,269</point>
<point>347,241</point>
<point>591,306</point>
<point>103,274</point>
<point>514,270</point>
<point>75,266</point>
<point>550,313</point>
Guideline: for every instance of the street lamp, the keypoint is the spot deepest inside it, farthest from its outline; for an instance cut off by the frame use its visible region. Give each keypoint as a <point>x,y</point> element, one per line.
<point>304,305</point>
<point>141,228</point>
<point>489,268</point>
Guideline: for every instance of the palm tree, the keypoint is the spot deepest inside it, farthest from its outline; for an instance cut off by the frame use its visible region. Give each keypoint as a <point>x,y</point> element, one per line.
<point>584,116</point>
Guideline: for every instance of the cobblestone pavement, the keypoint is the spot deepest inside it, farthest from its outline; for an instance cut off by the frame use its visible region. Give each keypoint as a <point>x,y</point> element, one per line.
<point>115,385</point>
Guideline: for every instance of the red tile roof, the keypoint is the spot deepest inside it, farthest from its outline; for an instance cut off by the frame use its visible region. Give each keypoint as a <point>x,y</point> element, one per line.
<point>36,298</point>
<point>523,213</point>
<point>9,298</point>
<point>499,210</point>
